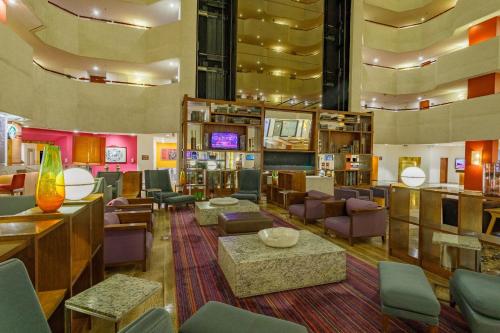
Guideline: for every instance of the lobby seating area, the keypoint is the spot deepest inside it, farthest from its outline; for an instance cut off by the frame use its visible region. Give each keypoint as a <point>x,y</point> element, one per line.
<point>240,166</point>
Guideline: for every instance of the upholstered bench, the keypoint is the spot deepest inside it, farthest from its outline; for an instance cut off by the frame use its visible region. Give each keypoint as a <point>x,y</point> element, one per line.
<point>243,222</point>
<point>179,200</point>
<point>406,293</point>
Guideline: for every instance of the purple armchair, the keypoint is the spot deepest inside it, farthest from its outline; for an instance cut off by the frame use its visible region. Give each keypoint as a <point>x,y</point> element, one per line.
<point>307,206</point>
<point>126,238</point>
<point>344,193</point>
<point>355,218</point>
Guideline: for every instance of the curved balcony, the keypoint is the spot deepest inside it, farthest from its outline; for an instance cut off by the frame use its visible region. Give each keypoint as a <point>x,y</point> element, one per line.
<point>460,121</point>
<point>269,84</point>
<point>465,14</point>
<point>476,60</point>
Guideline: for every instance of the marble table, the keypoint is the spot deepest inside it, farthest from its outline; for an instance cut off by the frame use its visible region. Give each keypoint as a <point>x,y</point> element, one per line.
<point>252,268</point>
<point>207,214</point>
<point>111,299</point>
<point>457,241</point>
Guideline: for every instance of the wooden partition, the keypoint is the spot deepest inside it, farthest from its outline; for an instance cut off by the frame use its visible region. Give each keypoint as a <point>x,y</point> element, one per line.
<point>63,253</point>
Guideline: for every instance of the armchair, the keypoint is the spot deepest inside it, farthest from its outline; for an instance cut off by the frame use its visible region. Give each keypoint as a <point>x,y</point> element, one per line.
<point>11,205</point>
<point>100,186</point>
<point>21,310</point>
<point>158,186</point>
<point>248,185</point>
<point>381,193</point>
<point>307,206</point>
<point>115,179</point>
<point>127,238</point>
<point>364,193</point>
<point>355,218</point>
<point>16,185</point>
<point>478,297</point>
<point>343,193</point>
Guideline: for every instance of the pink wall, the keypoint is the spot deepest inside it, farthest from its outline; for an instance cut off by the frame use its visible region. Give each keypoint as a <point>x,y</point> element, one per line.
<point>64,140</point>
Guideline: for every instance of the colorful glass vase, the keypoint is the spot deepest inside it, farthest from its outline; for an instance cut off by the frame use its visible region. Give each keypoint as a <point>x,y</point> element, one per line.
<point>50,186</point>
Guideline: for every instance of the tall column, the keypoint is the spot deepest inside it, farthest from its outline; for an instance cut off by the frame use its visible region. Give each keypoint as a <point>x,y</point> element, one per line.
<point>356,63</point>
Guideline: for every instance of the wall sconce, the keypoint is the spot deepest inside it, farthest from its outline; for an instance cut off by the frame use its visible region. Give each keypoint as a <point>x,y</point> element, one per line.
<point>476,157</point>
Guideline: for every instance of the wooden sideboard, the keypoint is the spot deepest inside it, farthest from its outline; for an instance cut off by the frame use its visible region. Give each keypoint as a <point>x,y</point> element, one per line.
<point>62,252</point>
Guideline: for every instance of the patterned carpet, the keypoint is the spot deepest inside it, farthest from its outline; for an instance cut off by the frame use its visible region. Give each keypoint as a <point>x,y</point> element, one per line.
<point>349,306</point>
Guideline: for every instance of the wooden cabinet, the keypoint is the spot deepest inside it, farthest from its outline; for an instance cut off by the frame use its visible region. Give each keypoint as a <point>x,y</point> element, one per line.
<point>88,149</point>
<point>62,252</point>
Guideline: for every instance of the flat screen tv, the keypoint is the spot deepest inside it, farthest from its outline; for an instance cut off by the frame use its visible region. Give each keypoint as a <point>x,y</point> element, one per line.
<point>459,164</point>
<point>224,140</point>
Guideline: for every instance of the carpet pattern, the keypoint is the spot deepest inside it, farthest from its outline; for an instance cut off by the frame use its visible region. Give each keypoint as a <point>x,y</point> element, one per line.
<point>349,306</point>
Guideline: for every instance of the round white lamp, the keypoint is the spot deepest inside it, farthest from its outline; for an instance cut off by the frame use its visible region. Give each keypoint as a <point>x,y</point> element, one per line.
<point>413,176</point>
<point>78,183</point>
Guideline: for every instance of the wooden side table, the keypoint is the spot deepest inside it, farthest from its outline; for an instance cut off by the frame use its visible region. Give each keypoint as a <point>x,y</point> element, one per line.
<point>111,299</point>
<point>495,213</point>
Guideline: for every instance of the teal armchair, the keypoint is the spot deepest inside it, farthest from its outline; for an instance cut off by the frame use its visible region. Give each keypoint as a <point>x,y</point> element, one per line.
<point>158,186</point>
<point>248,185</point>
<point>478,297</point>
<point>12,205</point>
<point>101,187</point>
<point>115,179</point>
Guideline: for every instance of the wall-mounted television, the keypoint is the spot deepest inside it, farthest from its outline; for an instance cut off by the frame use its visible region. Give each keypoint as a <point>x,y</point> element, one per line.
<point>459,164</point>
<point>224,140</point>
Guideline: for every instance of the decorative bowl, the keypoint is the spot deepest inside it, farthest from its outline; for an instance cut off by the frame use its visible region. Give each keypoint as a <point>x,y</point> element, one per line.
<point>227,201</point>
<point>279,237</point>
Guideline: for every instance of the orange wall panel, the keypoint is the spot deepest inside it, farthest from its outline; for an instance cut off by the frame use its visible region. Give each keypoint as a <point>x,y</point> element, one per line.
<point>88,149</point>
<point>3,11</point>
<point>473,178</point>
<point>483,85</point>
<point>484,31</point>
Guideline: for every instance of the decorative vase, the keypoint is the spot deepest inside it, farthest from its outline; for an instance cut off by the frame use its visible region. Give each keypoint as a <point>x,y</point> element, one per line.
<point>50,186</point>
<point>182,178</point>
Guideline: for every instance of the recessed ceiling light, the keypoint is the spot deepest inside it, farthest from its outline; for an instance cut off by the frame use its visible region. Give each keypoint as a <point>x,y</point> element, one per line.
<point>95,68</point>
<point>171,64</point>
<point>374,99</point>
<point>420,58</point>
<point>258,37</point>
<point>294,97</point>
<point>75,131</point>
<point>419,98</point>
<point>261,44</point>
<point>375,60</point>
<point>241,15</point>
<point>259,10</point>
<point>12,2</point>
<point>96,12</point>
<point>172,5</point>
<point>422,19</point>
<point>240,91</point>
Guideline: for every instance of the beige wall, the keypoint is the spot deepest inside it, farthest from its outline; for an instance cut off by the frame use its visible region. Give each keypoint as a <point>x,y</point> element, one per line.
<point>473,119</point>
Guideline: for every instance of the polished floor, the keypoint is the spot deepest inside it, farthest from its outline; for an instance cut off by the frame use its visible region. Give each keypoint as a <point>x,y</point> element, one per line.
<point>161,266</point>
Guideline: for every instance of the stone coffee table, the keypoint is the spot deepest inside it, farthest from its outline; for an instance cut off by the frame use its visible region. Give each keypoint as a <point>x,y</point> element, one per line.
<point>207,214</point>
<point>252,268</point>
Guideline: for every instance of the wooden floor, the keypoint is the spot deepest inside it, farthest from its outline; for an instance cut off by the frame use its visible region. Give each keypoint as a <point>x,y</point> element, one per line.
<point>161,266</point>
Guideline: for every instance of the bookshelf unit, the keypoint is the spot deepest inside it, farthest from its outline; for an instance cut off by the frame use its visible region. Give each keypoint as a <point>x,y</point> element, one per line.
<point>345,146</point>
<point>211,169</point>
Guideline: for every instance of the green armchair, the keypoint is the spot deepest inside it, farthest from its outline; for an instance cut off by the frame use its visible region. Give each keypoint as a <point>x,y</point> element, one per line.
<point>158,186</point>
<point>248,185</point>
<point>478,297</point>
<point>11,205</point>
<point>115,179</point>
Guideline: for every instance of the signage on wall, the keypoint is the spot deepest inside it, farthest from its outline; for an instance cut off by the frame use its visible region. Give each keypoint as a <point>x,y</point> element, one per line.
<point>145,157</point>
<point>11,131</point>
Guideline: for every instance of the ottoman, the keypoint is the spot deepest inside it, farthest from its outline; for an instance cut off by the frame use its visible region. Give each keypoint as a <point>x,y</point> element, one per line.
<point>179,200</point>
<point>406,293</point>
<point>243,222</point>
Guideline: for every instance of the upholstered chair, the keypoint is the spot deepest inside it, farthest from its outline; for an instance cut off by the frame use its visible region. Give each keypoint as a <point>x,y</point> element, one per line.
<point>115,179</point>
<point>382,193</point>
<point>12,205</point>
<point>307,206</point>
<point>127,238</point>
<point>16,185</point>
<point>21,310</point>
<point>248,185</point>
<point>355,218</point>
<point>101,187</point>
<point>478,297</point>
<point>344,193</point>
<point>158,186</point>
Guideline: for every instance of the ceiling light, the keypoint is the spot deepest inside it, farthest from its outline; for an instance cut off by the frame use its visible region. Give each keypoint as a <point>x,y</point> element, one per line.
<point>375,60</point>
<point>177,77</point>
<point>258,37</point>
<point>75,131</point>
<point>279,40</point>
<point>96,12</point>
<point>262,68</point>
<point>374,99</point>
<point>419,98</point>
<point>422,19</point>
<point>239,40</point>
<point>261,44</point>
<point>259,10</point>
<point>320,105</point>
<point>420,58</point>
<point>172,5</point>
<point>171,64</point>
<point>261,93</point>
<point>294,97</point>
<point>262,20</point>
<point>12,2</point>
<point>240,91</point>
<point>95,68</point>
<point>241,15</point>
<point>258,62</point>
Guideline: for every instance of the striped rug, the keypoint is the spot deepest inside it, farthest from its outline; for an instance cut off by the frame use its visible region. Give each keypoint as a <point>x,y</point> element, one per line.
<point>349,306</point>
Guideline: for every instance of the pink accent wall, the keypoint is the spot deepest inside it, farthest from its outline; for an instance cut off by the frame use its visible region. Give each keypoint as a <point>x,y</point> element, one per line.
<point>64,140</point>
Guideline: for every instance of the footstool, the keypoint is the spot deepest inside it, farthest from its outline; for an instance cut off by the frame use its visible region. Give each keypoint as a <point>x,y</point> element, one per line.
<point>243,222</point>
<point>179,200</point>
<point>406,293</point>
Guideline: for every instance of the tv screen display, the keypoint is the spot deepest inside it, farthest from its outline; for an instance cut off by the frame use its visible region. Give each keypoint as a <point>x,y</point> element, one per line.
<point>224,140</point>
<point>460,164</point>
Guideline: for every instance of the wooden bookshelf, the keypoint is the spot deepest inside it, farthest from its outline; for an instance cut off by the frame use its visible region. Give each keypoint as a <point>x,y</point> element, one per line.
<point>62,253</point>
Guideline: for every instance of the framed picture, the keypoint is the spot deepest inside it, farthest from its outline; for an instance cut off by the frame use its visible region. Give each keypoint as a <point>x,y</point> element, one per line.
<point>277,128</point>
<point>116,154</point>
<point>168,154</point>
<point>289,128</point>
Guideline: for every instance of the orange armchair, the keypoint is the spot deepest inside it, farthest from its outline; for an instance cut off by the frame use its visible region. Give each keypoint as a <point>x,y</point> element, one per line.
<point>15,186</point>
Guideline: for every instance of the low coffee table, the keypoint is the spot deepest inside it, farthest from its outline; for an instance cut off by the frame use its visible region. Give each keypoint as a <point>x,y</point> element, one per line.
<point>207,214</point>
<point>111,299</point>
<point>243,222</point>
<point>252,268</point>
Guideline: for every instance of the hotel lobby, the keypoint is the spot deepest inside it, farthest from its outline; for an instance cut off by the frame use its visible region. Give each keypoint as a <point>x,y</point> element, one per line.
<point>249,166</point>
